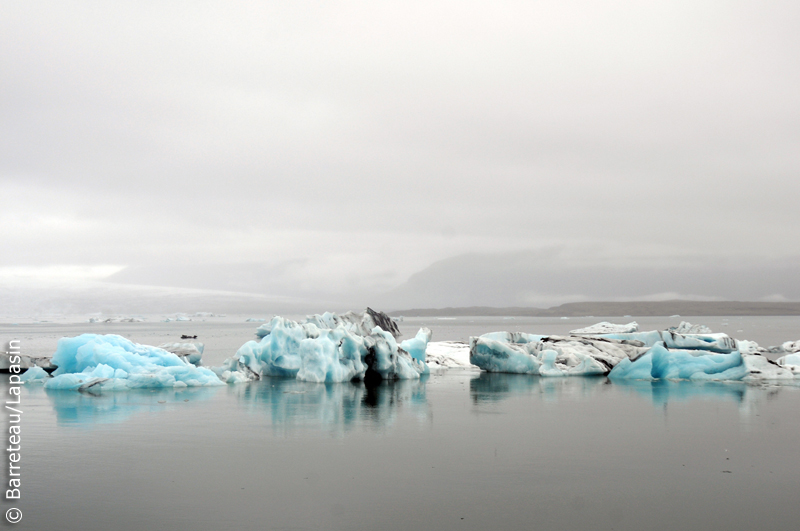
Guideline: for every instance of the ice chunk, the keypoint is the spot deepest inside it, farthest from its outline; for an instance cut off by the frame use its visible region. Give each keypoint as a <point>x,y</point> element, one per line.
<point>721,343</point>
<point>111,362</point>
<point>191,352</point>
<point>663,363</point>
<point>26,362</point>
<point>360,324</point>
<point>760,368</point>
<point>688,328</point>
<point>605,327</point>
<point>791,346</point>
<point>494,355</point>
<point>531,354</point>
<point>640,369</point>
<point>790,362</point>
<point>417,346</point>
<point>750,347</point>
<point>448,355</point>
<point>329,348</point>
<point>34,374</point>
<point>117,320</point>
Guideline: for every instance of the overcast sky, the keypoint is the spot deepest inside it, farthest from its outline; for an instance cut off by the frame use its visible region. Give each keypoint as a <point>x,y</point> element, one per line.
<point>341,147</point>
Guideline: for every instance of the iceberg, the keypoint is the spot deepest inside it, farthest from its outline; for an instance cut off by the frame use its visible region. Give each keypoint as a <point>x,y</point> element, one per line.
<point>117,320</point>
<point>652,355</point>
<point>329,348</point>
<point>93,362</point>
<point>550,355</point>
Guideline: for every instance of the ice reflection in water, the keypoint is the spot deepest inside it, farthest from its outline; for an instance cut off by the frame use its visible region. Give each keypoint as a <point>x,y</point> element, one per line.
<point>337,408</point>
<point>495,387</point>
<point>84,410</point>
<point>334,407</point>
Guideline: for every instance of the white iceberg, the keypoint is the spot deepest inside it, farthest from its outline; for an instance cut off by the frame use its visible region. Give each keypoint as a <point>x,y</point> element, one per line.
<point>190,352</point>
<point>25,362</point>
<point>605,327</point>
<point>721,343</point>
<point>761,368</point>
<point>688,328</point>
<point>111,362</point>
<point>550,355</point>
<point>790,362</point>
<point>117,320</point>
<point>791,346</point>
<point>448,355</point>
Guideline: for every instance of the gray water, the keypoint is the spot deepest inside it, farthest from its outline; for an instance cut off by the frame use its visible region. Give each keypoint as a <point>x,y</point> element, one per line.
<point>460,450</point>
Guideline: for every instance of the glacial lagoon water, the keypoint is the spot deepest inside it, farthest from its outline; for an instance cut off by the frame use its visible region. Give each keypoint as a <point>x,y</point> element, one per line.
<point>458,450</point>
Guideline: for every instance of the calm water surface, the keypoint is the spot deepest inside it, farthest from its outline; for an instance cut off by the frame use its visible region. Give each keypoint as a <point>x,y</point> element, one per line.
<point>460,450</point>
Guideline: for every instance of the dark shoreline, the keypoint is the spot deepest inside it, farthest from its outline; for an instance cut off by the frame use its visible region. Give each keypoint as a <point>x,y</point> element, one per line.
<point>634,308</point>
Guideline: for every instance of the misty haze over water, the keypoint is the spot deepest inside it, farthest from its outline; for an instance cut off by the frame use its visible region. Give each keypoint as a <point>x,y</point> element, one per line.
<point>397,154</point>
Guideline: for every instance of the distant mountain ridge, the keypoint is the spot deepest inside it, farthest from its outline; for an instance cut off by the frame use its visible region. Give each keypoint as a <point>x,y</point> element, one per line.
<point>633,308</point>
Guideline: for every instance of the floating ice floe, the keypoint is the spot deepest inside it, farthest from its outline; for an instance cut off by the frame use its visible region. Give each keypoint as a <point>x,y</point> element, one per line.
<point>688,328</point>
<point>329,348</point>
<point>34,374</point>
<point>551,355</point>
<point>637,355</point>
<point>607,328</point>
<point>25,362</point>
<point>111,362</point>
<point>117,320</point>
<point>790,362</point>
<point>190,352</point>
<point>448,355</point>
<point>791,346</point>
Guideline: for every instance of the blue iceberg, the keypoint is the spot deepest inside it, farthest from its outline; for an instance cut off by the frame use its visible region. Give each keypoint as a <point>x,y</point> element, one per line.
<point>111,362</point>
<point>661,363</point>
<point>329,348</point>
<point>34,374</point>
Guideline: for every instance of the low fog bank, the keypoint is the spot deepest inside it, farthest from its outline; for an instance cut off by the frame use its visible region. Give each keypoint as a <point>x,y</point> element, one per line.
<point>88,298</point>
<point>529,279</point>
<point>532,278</point>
